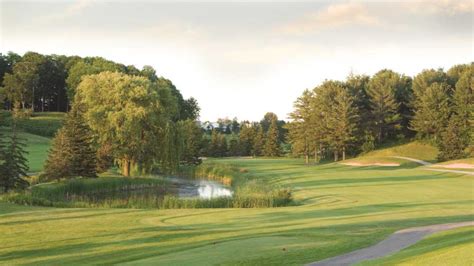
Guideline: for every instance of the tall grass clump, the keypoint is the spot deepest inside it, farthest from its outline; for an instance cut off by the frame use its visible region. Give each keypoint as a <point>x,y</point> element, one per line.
<point>222,173</point>
<point>106,186</point>
<point>258,194</point>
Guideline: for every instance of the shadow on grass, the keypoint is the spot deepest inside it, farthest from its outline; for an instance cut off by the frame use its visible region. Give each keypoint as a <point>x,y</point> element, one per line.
<point>378,180</point>
<point>339,239</point>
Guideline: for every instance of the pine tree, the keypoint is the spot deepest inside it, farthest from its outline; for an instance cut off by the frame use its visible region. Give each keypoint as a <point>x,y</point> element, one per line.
<point>344,124</point>
<point>431,111</point>
<point>383,103</point>
<point>300,130</point>
<point>15,165</point>
<point>246,139</point>
<point>72,153</point>
<point>451,144</point>
<point>258,142</point>
<point>272,148</point>
<point>58,163</point>
<point>338,122</point>
<point>463,107</point>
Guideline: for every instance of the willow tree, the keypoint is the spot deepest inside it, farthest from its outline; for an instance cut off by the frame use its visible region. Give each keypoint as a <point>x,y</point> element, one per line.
<point>130,113</point>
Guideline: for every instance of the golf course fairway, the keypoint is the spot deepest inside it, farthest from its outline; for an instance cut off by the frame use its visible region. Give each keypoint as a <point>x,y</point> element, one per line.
<point>338,209</point>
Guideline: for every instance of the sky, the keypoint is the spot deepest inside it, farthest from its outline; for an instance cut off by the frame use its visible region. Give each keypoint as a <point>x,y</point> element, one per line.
<point>243,58</point>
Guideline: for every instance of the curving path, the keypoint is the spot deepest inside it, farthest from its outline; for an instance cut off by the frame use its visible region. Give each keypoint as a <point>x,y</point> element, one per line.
<point>395,242</point>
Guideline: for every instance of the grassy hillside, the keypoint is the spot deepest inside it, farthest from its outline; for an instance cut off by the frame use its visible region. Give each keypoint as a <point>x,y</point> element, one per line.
<point>37,148</point>
<point>43,124</point>
<point>415,149</point>
<point>341,208</point>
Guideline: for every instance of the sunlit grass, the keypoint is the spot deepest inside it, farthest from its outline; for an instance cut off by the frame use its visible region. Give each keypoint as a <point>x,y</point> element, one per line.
<point>342,208</point>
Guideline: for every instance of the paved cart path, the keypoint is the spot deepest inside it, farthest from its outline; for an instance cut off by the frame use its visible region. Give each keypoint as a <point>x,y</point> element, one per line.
<point>395,242</point>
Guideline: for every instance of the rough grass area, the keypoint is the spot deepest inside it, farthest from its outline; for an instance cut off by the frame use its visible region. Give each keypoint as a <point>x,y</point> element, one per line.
<point>341,209</point>
<point>453,247</point>
<point>415,149</point>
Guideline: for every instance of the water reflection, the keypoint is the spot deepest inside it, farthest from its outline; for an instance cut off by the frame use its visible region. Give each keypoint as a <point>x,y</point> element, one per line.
<point>203,189</point>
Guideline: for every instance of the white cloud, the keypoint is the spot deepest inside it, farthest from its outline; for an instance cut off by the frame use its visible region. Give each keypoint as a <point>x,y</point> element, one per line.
<point>76,8</point>
<point>434,7</point>
<point>333,16</point>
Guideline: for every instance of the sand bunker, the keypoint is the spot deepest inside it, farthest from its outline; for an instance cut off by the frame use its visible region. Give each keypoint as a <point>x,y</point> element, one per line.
<point>455,165</point>
<point>370,164</point>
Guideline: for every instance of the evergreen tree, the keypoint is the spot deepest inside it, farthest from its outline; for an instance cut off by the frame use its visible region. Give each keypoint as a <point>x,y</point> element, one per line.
<point>258,142</point>
<point>246,138</point>
<point>58,163</point>
<point>15,165</point>
<point>383,103</point>
<point>451,144</point>
<point>234,149</point>
<point>338,120</point>
<point>463,107</point>
<point>343,124</point>
<point>72,153</point>
<point>218,145</point>
<point>272,148</point>
<point>431,111</point>
<point>300,129</point>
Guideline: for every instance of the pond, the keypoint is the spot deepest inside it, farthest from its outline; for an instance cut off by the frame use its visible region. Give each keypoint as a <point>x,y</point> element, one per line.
<point>203,189</point>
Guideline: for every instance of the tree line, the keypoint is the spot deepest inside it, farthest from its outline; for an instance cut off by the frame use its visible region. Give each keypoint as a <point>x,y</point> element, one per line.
<point>48,82</point>
<point>232,138</point>
<point>362,112</point>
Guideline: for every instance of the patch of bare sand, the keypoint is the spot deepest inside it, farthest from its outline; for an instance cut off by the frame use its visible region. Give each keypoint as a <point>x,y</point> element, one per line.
<point>370,164</point>
<point>455,165</point>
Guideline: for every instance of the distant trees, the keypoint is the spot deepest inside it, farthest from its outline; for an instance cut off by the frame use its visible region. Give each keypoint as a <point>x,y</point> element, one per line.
<point>229,138</point>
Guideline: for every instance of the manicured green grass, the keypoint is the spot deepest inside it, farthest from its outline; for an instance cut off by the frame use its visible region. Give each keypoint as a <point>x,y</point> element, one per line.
<point>342,208</point>
<point>43,124</point>
<point>37,148</point>
<point>453,247</point>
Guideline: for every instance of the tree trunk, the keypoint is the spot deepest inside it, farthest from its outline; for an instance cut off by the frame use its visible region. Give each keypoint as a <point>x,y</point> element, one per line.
<point>316,155</point>
<point>343,153</point>
<point>336,156</point>
<point>33,102</point>
<point>126,167</point>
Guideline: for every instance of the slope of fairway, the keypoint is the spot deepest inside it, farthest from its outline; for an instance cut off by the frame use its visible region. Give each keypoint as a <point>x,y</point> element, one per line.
<point>340,209</point>
<point>453,247</point>
<point>413,149</point>
<point>37,148</point>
